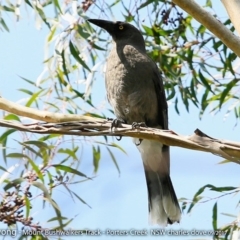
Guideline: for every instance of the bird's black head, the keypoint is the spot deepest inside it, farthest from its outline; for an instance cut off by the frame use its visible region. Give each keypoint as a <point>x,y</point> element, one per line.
<point>121,31</point>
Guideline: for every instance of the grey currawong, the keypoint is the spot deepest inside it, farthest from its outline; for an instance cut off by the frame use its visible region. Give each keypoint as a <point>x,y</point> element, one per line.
<point>135,90</point>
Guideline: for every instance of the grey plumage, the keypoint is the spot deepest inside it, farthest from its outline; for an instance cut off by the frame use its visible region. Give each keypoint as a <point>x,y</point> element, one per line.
<point>135,91</point>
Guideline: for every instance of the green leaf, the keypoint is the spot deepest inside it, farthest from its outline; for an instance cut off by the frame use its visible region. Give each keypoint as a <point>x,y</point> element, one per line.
<point>42,15</point>
<point>201,30</point>
<point>17,155</point>
<point>33,98</point>
<point>229,215</point>
<point>38,154</point>
<point>209,3</point>
<point>43,152</point>
<point>176,106</point>
<point>36,169</point>
<point>145,4</point>
<point>8,9</point>
<point>34,166</point>
<point>185,98</point>
<point>114,159</point>
<point>204,102</point>
<point>205,81</point>
<point>47,197</point>
<point>74,51</point>
<point>172,94</point>
<point>220,189</point>
<point>93,45</point>
<point>148,30</point>
<point>189,58</point>
<point>197,196</point>
<point>2,22</point>
<point>38,144</point>
<point>28,206</point>
<point>48,137</point>
<point>96,157</point>
<point>61,80</point>
<point>82,31</point>
<point>13,183</point>
<point>3,141</point>
<point>56,4</point>
<point>56,219</point>
<point>51,181</point>
<point>81,95</point>
<point>12,117</point>
<point>192,91</point>
<point>26,91</point>
<point>80,199</point>
<point>227,90</point>
<point>64,65</point>
<point>119,147</point>
<point>69,169</point>
<point>29,81</point>
<point>63,225</point>
<point>4,169</point>
<point>214,217</point>
<point>69,152</point>
<point>51,34</point>
<point>44,189</point>
<point>5,135</point>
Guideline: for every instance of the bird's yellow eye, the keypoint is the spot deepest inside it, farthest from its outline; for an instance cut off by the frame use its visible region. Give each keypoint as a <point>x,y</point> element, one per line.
<point>121,27</point>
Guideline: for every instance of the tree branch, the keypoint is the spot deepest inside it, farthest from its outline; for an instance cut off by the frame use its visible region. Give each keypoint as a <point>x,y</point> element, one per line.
<point>233,9</point>
<point>90,126</point>
<point>211,23</point>
<point>39,115</point>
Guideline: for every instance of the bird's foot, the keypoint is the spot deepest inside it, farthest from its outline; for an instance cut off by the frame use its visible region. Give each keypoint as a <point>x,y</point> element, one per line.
<point>117,123</point>
<point>136,125</point>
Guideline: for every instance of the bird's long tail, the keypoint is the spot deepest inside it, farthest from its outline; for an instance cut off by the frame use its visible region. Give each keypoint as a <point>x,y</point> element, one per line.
<point>163,204</point>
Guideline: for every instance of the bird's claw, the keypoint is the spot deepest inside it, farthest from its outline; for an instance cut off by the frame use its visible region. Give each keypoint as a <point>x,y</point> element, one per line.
<point>136,125</point>
<point>140,141</point>
<point>117,123</point>
<point>119,138</point>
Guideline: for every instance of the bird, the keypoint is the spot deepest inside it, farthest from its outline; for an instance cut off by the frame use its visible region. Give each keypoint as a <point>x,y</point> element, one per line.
<point>135,90</point>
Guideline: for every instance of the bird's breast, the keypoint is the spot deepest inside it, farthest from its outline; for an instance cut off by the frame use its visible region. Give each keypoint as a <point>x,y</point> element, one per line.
<point>129,86</point>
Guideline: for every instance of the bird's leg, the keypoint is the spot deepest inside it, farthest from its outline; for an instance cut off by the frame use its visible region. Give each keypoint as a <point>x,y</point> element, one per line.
<point>136,125</point>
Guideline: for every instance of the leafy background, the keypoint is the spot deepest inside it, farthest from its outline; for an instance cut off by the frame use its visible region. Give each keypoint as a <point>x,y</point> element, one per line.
<point>53,60</point>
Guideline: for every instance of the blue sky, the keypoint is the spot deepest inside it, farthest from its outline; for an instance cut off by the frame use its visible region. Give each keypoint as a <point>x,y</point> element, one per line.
<point>120,201</point>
